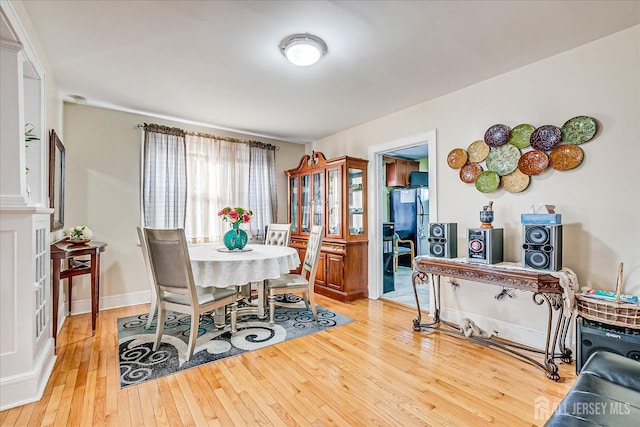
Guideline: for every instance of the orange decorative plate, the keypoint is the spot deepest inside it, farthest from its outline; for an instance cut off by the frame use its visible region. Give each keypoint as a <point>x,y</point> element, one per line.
<point>533,162</point>
<point>566,157</point>
<point>457,158</point>
<point>478,151</point>
<point>469,172</point>
<point>515,182</point>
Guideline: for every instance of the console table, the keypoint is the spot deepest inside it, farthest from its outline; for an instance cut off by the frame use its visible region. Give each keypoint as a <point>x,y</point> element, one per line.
<point>63,250</point>
<point>545,288</point>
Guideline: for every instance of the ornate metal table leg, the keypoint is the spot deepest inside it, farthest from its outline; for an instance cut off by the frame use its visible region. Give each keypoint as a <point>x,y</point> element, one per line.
<point>414,278</point>
<point>435,282</point>
<point>565,353</point>
<point>554,302</point>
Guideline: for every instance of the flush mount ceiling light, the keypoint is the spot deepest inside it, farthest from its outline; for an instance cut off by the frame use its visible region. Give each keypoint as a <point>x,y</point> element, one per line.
<point>303,49</point>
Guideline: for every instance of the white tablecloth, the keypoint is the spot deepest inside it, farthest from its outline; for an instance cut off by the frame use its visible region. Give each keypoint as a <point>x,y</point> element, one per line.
<point>221,269</point>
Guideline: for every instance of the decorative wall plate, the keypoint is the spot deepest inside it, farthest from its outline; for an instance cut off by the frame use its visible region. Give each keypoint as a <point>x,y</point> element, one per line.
<point>520,135</point>
<point>533,162</point>
<point>497,135</point>
<point>503,160</point>
<point>566,157</point>
<point>546,137</point>
<point>469,172</point>
<point>579,130</point>
<point>478,151</point>
<point>515,182</point>
<point>487,181</point>
<point>457,158</point>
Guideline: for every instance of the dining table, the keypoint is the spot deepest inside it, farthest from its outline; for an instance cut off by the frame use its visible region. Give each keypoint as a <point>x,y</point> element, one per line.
<point>215,265</point>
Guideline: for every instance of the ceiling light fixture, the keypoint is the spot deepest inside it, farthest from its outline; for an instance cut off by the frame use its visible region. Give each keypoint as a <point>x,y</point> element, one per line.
<point>303,49</point>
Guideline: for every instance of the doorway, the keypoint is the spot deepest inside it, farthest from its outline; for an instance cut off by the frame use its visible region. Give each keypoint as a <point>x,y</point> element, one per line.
<point>413,147</point>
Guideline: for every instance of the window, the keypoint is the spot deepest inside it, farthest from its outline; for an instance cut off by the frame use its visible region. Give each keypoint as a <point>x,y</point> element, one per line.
<point>218,172</point>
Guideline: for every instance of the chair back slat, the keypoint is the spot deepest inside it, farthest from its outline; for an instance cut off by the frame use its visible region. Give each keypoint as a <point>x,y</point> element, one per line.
<point>278,235</point>
<point>310,263</point>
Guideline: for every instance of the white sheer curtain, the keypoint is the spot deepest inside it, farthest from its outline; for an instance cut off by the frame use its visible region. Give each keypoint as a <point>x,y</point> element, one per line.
<point>164,179</point>
<point>218,177</point>
<point>262,186</point>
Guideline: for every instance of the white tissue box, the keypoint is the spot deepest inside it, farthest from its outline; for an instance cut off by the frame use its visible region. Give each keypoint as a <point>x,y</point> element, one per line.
<point>531,218</point>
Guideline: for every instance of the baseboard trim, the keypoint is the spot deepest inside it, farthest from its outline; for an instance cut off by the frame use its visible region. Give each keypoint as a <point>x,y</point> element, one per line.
<point>28,387</point>
<point>112,301</point>
<point>509,331</point>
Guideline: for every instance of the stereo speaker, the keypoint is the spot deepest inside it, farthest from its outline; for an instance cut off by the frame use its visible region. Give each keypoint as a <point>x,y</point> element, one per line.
<point>596,336</point>
<point>542,246</point>
<point>443,240</point>
<point>485,245</point>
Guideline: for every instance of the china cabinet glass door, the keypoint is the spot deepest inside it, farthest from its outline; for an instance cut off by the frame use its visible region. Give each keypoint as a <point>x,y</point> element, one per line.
<point>334,202</point>
<point>294,203</point>
<point>318,198</point>
<point>356,202</point>
<point>305,203</point>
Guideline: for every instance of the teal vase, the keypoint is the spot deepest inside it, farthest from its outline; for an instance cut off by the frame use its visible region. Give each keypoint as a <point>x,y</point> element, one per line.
<point>236,238</point>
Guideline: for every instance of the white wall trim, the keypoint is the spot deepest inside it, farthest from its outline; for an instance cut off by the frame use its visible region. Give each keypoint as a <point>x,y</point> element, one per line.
<point>112,301</point>
<point>27,387</point>
<point>375,184</point>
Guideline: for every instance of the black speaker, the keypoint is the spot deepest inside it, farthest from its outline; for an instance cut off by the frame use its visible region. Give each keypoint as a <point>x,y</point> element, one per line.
<point>596,336</point>
<point>542,246</point>
<point>485,245</point>
<point>443,240</point>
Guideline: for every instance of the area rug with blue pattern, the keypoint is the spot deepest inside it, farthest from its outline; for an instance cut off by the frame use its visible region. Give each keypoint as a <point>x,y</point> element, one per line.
<point>138,362</point>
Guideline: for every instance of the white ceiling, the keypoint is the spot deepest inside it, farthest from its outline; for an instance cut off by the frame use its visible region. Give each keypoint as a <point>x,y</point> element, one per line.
<point>217,63</point>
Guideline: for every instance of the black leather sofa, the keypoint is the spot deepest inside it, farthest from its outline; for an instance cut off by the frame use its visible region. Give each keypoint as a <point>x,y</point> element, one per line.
<point>606,393</point>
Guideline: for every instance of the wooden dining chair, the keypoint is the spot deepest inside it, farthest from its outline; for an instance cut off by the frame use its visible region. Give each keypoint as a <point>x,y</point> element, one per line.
<point>276,235</point>
<point>154,294</point>
<point>303,282</point>
<point>399,250</point>
<point>176,289</point>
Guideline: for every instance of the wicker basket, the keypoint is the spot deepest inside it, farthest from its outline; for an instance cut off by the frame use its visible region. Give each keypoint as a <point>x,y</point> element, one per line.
<point>613,313</point>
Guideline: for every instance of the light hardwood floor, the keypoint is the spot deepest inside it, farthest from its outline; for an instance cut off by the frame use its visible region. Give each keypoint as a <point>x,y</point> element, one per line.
<point>373,371</point>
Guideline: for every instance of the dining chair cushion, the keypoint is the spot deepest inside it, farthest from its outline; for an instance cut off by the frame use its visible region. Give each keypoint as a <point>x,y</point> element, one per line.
<point>288,280</point>
<point>205,295</point>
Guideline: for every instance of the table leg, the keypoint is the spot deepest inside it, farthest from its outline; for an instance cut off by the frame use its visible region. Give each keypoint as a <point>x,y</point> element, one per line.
<point>218,315</point>
<point>261,314</point>
<point>554,302</point>
<point>94,290</point>
<point>56,295</point>
<point>435,281</point>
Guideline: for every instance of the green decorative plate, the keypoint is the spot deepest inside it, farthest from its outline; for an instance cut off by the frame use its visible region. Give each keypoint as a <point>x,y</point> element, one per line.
<point>503,159</point>
<point>520,135</point>
<point>579,130</point>
<point>487,181</point>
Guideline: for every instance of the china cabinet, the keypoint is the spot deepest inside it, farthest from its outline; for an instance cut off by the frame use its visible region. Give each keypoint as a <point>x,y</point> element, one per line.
<point>332,193</point>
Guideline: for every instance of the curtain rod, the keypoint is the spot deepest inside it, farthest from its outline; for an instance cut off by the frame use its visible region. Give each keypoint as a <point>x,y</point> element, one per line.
<point>223,138</point>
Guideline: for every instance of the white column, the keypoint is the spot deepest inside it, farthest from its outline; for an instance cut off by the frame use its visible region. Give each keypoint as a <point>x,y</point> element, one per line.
<point>13,186</point>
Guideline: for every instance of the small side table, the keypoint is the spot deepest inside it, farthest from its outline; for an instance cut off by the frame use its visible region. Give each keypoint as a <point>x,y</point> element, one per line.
<point>62,250</point>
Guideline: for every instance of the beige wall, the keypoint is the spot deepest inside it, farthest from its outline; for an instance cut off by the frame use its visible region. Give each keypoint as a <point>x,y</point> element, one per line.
<point>599,201</point>
<point>103,188</point>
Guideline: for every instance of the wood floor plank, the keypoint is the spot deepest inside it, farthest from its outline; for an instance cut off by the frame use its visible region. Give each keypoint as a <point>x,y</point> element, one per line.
<point>374,371</point>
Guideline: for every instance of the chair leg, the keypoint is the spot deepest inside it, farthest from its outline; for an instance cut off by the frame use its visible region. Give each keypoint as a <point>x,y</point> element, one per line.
<point>272,307</point>
<point>159,327</point>
<point>312,303</point>
<point>193,334</point>
<point>152,311</point>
